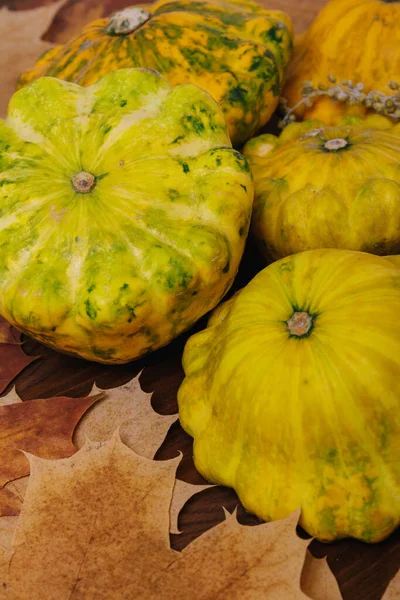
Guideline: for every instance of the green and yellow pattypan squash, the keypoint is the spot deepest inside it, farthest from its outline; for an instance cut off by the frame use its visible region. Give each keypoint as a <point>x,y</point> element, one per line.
<point>123,212</point>
<point>236,50</point>
<point>292,393</point>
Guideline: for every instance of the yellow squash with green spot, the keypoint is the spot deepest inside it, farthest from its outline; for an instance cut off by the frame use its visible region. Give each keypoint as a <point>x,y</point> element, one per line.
<point>123,212</point>
<point>292,394</point>
<point>235,50</point>
<point>327,187</point>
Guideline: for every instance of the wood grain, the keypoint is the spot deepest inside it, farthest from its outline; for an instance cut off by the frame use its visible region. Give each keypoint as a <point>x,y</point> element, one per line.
<point>363,571</point>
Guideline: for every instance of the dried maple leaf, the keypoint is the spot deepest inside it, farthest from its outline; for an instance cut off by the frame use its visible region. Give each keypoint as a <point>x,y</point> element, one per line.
<point>44,427</point>
<point>127,408</point>
<point>7,525</point>
<point>7,528</point>
<point>96,525</point>
<point>18,487</point>
<point>13,360</point>
<point>393,589</point>
<point>10,504</point>
<point>317,580</point>
<point>21,44</point>
<point>183,491</point>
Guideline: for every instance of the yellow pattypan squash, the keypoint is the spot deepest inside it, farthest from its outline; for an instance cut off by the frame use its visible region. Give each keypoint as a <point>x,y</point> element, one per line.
<point>327,187</point>
<point>292,394</point>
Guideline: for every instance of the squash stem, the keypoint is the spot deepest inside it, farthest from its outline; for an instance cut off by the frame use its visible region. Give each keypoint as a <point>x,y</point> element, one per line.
<point>300,324</point>
<point>336,144</point>
<point>83,182</point>
<point>126,21</point>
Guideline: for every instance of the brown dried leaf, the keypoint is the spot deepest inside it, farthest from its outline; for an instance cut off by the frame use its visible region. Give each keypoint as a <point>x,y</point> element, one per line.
<point>127,408</point>
<point>100,517</point>
<point>21,44</point>
<point>18,487</point>
<point>13,359</point>
<point>183,491</point>
<point>8,333</point>
<point>10,504</point>
<point>96,525</point>
<point>317,580</point>
<point>237,562</point>
<point>44,427</point>
<point>10,499</point>
<point>12,496</point>
<point>393,589</point>
<point>7,529</point>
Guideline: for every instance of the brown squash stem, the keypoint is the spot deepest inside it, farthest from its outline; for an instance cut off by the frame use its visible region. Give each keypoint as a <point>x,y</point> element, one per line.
<point>83,182</point>
<point>300,323</point>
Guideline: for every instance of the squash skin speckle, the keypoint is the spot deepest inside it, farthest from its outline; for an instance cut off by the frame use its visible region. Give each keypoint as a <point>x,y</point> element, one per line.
<point>122,269</point>
<point>312,421</point>
<point>237,51</point>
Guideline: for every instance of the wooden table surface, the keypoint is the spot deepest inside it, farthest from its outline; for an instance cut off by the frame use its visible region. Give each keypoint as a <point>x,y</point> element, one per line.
<point>363,571</point>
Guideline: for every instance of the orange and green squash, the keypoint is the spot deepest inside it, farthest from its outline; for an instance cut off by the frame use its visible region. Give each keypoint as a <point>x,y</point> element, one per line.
<point>236,50</point>
<point>292,394</point>
<point>327,187</point>
<point>357,40</point>
<point>124,212</point>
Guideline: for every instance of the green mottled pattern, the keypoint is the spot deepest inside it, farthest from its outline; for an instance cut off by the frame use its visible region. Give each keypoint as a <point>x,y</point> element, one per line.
<point>123,269</point>
<point>237,51</point>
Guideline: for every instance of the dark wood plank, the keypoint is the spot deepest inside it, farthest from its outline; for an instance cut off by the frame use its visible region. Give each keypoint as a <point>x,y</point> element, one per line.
<point>363,571</point>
